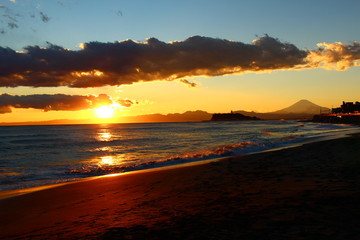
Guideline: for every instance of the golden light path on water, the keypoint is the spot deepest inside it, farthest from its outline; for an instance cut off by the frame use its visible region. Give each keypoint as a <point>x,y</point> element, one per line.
<point>105,135</point>
<point>108,160</point>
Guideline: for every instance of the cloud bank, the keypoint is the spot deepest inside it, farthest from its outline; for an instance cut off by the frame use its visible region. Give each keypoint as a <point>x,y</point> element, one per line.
<point>99,64</point>
<point>58,102</point>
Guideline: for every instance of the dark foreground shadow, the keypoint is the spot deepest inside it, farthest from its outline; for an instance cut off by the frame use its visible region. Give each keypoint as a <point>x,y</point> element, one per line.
<point>331,218</point>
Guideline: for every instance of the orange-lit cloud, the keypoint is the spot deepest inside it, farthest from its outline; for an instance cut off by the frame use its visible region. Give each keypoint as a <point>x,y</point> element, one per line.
<point>58,102</point>
<point>337,56</point>
<point>126,102</point>
<point>5,109</point>
<point>99,64</point>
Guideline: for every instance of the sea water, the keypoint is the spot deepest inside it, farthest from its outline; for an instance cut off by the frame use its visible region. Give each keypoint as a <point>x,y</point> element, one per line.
<point>41,155</point>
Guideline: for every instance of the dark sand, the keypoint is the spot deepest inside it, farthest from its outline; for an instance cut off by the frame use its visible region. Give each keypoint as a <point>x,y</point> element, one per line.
<point>307,192</point>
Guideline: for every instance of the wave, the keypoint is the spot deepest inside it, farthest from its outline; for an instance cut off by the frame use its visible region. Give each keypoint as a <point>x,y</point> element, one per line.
<point>217,152</point>
<point>221,151</point>
<point>38,140</point>
<point>226,150</point>
<point>58,153</point>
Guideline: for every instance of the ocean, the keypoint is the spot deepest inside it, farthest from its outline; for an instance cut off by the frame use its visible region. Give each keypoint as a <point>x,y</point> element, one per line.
<point>33,156</point>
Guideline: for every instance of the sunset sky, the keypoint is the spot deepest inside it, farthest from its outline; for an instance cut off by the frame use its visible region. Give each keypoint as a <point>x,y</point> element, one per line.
<point>61,59</point>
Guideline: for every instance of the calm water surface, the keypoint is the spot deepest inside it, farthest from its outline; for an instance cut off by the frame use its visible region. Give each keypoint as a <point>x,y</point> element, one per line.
<point>40,155</point>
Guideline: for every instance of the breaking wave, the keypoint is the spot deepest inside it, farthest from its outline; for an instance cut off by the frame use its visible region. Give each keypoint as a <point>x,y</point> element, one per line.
<point>217,152</point>
<point>40,155</point>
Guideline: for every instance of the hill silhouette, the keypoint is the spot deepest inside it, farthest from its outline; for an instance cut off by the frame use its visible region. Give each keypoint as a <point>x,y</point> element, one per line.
<point>189,116</point>
<point>303,109</point>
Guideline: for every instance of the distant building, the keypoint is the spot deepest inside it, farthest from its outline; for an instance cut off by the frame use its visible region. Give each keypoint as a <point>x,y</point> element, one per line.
<point>336,110</point>
<point>347,107</point>
<point>348,113</point>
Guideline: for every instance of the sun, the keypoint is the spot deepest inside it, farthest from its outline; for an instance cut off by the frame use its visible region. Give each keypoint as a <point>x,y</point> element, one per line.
<point>105,111</point>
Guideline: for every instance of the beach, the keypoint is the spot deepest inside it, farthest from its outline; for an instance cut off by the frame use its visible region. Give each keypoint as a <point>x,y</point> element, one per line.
<point>306,192</point>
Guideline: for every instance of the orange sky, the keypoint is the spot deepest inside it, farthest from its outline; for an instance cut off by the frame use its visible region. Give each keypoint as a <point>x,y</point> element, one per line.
<point>171,59</point>
<point>274,91</point>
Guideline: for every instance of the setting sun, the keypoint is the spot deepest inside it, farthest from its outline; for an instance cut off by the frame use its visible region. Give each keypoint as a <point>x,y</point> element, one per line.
<point>104,112</point>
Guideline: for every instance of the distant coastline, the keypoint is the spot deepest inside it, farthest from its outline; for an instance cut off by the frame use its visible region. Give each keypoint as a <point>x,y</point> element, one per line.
<point>302,109</point>
<point>338,118</point>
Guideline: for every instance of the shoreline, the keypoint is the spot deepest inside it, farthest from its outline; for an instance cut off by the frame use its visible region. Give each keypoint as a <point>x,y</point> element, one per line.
<point>306,192</point>
<point>21,191</point>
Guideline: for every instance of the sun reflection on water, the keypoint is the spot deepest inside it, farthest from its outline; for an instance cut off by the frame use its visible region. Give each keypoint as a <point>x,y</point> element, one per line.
<point>104,135</point>
<point>108,160</point>
<point>103,149</point>
<point>111,160</point>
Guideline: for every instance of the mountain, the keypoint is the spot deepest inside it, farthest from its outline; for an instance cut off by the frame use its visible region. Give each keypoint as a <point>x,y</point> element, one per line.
<point>302,106</point>
<point>302,109</point>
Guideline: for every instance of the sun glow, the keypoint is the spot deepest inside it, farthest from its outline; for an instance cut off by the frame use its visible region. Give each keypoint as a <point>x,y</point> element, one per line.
<point>104,111</point>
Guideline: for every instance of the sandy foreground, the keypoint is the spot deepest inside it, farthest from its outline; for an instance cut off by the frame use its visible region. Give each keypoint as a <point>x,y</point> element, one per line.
<point>307,192</point>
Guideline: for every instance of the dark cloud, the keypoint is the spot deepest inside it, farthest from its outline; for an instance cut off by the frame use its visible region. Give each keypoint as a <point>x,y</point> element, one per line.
<point>9,16</point>
<point>44,17</point>
<point>12,25</point>
<point>188,83</point>
<point>57,102</point>
<point>8,19</point>
<point>126,62</point>
<point>119,13</point>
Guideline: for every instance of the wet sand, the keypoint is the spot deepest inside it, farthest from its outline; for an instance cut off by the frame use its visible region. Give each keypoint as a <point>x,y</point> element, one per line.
<point>307,192</point>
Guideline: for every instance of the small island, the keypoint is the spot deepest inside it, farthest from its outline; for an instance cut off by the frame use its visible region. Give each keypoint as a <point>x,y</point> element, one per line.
<point>231,117</point>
